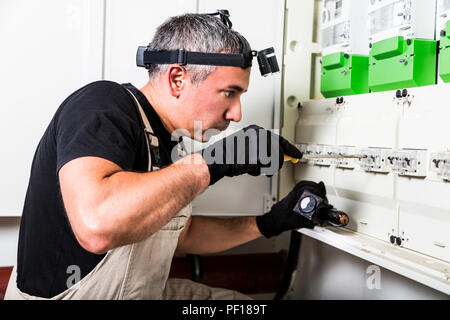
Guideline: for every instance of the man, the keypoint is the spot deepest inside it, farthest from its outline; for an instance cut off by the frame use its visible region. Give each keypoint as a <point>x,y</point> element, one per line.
<point>107,207</point>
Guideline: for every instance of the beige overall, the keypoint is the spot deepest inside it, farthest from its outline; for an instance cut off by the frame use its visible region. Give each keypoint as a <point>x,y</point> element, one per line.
<point>139,270</point>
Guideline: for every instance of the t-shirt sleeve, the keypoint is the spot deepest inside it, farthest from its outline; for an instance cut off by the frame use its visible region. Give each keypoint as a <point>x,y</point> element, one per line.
<point>106,132</point>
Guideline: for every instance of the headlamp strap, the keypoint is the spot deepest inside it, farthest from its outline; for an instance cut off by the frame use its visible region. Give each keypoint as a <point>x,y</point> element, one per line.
<point>183,57</point>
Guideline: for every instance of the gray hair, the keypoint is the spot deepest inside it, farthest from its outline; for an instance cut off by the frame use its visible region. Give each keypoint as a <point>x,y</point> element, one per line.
<point>193,32</point>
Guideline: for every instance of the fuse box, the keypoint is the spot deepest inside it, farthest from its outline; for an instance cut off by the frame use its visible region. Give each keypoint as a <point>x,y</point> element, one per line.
<point>397,63</point>
<point>344,48</point>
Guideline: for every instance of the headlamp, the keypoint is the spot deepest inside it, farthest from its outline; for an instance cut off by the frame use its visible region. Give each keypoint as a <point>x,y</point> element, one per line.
<point>266,58</point>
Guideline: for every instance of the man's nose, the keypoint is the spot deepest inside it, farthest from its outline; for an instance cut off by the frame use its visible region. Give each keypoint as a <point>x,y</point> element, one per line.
<point>234,112</point>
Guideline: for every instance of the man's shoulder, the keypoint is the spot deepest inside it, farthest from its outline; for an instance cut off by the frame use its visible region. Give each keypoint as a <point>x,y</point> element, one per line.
<point>98,101</point>
<point>102,94</point>
<point>104,84</point>
<point>105,88</point>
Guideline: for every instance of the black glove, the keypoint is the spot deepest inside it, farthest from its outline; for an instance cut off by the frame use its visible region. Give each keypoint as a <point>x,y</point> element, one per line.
<point>251,150</point>
<point>282,217</point>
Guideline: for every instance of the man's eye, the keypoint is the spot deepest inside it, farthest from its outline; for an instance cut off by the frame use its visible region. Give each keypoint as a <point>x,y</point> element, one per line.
<point>229,93</point>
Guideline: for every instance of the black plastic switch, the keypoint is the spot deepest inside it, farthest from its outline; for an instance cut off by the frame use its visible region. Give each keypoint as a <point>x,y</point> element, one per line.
<point>392,239</point>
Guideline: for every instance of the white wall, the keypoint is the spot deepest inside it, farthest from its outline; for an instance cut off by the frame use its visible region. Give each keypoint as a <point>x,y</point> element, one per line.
<point>49,49</point>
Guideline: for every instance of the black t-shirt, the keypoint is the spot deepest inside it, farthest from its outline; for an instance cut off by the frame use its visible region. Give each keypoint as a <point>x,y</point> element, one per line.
<point>99,120</point>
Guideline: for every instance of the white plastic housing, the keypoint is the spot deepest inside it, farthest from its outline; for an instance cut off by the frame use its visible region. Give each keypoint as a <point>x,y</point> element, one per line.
<point>343,27</point>
<point>408,162</point>
<point>442,16</point>
<point>375,161</point>
<point>440,164</point>
<point>407,18</point>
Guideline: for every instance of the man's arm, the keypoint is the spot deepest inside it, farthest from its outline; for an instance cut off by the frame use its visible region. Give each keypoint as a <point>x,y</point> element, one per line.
<point>108,207</point>
<point>203,235</point>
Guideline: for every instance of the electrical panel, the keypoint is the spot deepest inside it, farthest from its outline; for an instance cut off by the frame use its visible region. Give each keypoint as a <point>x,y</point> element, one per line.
<point>344,47</point>
<point>398,192</point>
<point>397,188</point>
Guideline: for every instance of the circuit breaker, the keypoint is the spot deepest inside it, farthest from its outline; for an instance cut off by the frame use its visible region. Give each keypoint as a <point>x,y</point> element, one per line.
<point>344,48</point>
<point>440,165</point>
<point>403,50</point>
<point>344,74</point>
<point>397,63</point>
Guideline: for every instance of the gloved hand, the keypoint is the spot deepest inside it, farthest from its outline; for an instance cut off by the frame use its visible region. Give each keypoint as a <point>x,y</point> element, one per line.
<point>251,150</point>
<point>282,217</point>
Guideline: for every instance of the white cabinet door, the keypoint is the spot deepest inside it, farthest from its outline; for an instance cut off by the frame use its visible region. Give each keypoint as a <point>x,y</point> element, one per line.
<point>48,50</point>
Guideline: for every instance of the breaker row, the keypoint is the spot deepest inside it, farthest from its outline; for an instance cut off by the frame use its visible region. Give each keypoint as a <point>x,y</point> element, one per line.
<point>404,162</point>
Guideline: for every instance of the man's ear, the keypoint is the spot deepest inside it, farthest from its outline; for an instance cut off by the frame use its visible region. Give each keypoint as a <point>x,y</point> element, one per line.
<point>178,78</point>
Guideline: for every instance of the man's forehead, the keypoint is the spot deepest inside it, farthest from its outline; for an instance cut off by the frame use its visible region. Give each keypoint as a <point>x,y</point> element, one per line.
<point>233,77</point>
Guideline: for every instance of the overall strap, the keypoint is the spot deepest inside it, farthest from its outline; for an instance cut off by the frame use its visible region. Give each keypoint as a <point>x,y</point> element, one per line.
<point>150,137</point>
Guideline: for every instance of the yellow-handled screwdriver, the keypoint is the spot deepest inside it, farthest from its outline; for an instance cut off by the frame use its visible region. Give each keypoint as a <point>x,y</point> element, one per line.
<point>325,156</point>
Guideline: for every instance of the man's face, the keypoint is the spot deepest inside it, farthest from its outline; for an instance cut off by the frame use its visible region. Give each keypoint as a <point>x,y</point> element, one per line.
<point>215,102</point>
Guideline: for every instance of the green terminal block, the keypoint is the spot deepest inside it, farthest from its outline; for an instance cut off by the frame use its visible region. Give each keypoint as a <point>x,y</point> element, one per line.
<point>344,74</point>
<point>444,54</point>
<point>396,63</point>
